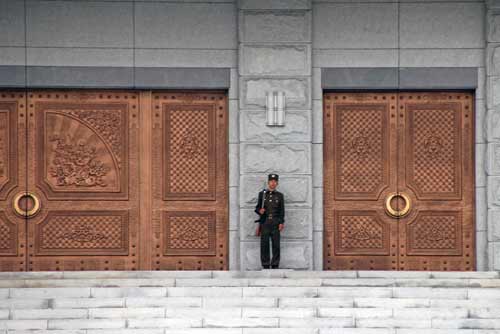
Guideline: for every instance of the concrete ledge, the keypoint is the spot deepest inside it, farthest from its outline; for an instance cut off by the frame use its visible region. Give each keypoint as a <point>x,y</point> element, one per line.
<point>438,78</point>
<point>182,78</point>
<point>274,4</point>
<point>404,78</point>
<point>12,76</point>
<point>114,77</point>
<point>79,77</point>
<point>359,78</point>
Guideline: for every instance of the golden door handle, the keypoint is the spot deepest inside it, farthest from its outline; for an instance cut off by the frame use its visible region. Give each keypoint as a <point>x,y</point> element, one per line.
<point>29,210</point>
<point>397,213</point>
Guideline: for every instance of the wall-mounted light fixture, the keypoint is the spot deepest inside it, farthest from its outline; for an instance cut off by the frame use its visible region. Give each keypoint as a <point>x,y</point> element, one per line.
<point>275,107</point>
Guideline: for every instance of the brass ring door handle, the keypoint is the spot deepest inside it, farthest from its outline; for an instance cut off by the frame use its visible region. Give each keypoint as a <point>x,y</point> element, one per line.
<point>27,212</point>
<point>397,213</point>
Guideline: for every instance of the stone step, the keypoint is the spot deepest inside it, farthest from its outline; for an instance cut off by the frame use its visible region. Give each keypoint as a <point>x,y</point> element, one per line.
<point>358,293</point>
<point>276,273</point>
<point>268,301</point>
<point>249,312</point>
<point>246,322</point>
<point>331,330</point>
<point>249,282</point>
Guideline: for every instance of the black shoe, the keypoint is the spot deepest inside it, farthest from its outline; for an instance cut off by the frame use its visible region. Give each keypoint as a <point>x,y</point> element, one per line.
<point>265,267</point>
<point>274,267</point>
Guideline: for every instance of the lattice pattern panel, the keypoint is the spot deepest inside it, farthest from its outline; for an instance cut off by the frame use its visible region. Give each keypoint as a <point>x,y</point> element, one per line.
<point>435,147</point>
<point>8,236</point>
<point>189,233</point>
<point>435,232</point>
<point>190,151</point>
<point>83,232</point>
<point>4,146</point>
<point>362,149</point>
<point>10,108</point>
<point>357,233</point>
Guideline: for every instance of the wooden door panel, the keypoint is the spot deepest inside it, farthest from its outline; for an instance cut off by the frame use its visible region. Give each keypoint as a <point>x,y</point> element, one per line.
<point>435,233</point>
<point>361,232</point>
<point>362,149</point>
<point>12,106</point>
<point>82,148</point>
<point>433,148</point>
<point>74,232</point>
<point>189,233</point>
<point>189,181</point>
<point>438,176</point>
<point>189,156</point>
<point>359,173</point>
<point>83,151</point>
<point>12,180</point>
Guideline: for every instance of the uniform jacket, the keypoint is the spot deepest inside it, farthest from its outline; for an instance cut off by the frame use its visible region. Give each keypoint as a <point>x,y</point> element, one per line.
<point>274,204</point>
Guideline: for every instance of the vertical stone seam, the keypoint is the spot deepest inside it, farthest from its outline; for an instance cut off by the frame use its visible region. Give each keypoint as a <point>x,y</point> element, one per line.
<point>399,41</point>
<point>133,43</point>
<point>25,45</point>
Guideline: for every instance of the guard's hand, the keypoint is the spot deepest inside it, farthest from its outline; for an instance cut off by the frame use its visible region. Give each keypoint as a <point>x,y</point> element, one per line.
<point>262,210</point>
<point>281,227</point>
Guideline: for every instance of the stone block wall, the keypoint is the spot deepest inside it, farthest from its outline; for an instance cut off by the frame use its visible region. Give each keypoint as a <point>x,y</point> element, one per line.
<point>275,55</point>
<point>492,146</point>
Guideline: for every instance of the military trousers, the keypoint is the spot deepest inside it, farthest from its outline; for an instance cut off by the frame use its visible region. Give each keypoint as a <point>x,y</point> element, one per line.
<point>269,233</point>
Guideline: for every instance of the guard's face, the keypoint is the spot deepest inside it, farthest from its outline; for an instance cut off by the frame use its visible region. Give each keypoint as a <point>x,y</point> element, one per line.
<point>272,184</point>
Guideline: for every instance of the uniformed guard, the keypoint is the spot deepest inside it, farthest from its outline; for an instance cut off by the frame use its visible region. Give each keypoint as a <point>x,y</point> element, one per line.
<point>271,210</point>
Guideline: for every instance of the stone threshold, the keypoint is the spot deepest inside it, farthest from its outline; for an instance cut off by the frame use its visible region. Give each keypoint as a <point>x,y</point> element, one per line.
<point>266,273</point>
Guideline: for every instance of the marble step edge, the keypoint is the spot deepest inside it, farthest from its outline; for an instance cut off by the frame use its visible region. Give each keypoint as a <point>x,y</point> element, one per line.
<point>253,330</point>
<point>249,312</point>
<point>141,283</point>
<point>251,282</point>
<point>270,273</point>
<point>341,322</point>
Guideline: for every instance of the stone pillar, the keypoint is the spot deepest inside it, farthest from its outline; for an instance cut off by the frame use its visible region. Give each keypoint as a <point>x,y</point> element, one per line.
<point>275,55</point>
<point>493,130</point>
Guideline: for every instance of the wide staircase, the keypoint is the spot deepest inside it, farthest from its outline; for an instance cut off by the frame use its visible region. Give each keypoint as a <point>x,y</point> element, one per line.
<point>248,302</point>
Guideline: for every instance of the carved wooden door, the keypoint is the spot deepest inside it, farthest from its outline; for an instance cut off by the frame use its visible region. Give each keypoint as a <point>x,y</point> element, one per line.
<point>12,180</point>
<point>83,173</point>
<point>436,132</point>
<point>360,171</point>
<point>107,180</point>
<point>190,181</point>
<point>398,185</point>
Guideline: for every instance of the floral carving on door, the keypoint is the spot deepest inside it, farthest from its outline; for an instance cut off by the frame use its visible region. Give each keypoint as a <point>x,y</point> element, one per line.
<point>76,163</point>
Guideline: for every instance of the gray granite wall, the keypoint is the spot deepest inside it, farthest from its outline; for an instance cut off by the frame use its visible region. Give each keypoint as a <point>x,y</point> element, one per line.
<point>492,146</point>
<point>275,54</point>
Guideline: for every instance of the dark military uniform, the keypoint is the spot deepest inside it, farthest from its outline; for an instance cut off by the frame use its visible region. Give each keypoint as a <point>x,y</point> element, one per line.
<point>274,215</point>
